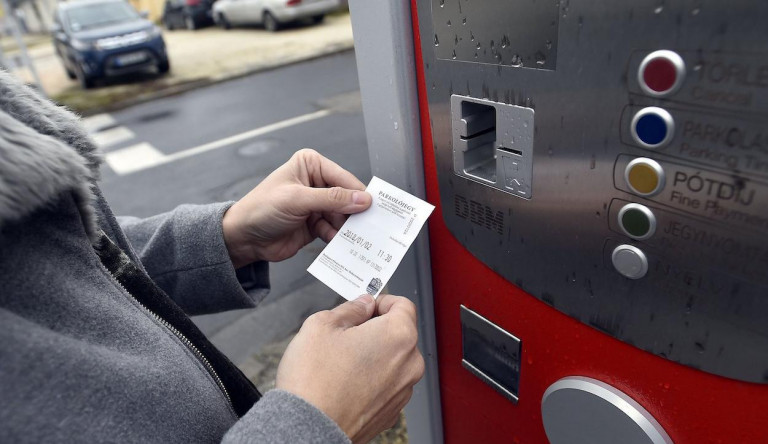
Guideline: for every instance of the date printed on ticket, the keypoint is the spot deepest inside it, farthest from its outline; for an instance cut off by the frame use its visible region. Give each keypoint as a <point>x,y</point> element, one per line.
<point>369,246</point>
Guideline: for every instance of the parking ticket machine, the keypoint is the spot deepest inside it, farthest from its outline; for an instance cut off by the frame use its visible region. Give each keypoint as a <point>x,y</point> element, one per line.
<point>599,252</point>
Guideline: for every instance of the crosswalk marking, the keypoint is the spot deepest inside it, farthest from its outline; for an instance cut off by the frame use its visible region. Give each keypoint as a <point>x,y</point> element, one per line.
<point>134,158</point>
<point>112,136</point>
<point>97,122</point>
<point>142,156</point>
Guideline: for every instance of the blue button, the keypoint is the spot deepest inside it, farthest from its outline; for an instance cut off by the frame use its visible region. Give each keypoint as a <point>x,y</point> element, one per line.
<point>652,127</point>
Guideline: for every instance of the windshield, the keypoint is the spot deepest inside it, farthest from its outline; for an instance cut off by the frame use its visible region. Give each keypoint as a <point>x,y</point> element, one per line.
<point>94,15</point>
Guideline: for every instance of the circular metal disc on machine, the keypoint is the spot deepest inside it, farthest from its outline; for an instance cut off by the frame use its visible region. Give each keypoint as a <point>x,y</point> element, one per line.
<point>580,410</point>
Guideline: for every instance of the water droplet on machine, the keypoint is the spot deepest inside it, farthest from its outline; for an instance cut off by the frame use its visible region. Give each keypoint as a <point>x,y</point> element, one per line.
<point>437,42</point>
<point>448,23</point>
<point>464,21</point>
<point>548,44</point>
<point>454,55</point>
<point>696,11</point>
<point>658,9</point>
<point>541,59</point>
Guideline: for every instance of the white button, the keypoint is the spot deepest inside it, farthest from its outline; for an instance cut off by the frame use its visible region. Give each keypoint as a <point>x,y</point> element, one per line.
<point>630,261</point>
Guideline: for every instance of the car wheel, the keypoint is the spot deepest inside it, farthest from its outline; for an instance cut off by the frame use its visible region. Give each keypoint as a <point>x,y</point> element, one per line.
<point>85,81</point>
<point>270,22</point>
<point>223,22</point>
<point>190,23</point>
<point>164,66</point>
<point>318,18</point>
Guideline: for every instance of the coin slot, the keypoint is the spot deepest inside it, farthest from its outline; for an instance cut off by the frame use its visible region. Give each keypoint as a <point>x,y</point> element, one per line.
<point>511,151</point>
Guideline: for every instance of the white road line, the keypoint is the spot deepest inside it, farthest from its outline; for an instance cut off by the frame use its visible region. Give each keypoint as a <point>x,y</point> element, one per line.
<point>139,157</point>
<point>96,122</point>
<point>134,158</point>
<point>247,135</point>
<point>105,139</point>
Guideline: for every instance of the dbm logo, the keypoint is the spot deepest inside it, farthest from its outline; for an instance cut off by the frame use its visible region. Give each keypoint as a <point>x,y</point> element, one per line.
<point>479,214</point>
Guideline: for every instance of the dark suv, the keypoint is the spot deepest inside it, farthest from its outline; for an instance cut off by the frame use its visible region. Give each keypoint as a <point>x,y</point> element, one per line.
<point>99,38</point>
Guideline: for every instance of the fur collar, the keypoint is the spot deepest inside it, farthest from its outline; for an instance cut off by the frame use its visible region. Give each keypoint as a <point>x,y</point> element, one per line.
<point>44,152</point>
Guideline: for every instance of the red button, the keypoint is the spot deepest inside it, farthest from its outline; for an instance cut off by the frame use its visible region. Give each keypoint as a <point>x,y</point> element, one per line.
<point>661,73</point>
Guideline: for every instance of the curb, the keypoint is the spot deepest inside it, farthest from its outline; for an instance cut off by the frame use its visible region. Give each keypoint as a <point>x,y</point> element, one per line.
<point>189,85</point>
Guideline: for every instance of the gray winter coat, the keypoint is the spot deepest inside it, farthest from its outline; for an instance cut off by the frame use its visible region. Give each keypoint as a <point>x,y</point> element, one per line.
<point>95,344</point>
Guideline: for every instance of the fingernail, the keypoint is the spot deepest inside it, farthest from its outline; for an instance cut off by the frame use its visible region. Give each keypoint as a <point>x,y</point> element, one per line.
<point>366,299</point>
<point>358,197</point>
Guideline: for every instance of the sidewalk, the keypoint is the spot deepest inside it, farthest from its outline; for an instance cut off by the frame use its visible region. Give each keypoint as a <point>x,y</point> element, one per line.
<point>198,58</point>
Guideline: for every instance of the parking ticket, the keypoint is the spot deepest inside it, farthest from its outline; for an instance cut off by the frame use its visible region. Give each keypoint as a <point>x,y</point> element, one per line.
<point>369,246</point>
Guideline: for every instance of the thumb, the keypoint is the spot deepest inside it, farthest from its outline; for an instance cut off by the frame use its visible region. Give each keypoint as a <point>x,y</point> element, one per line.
<point>334,199</point>
<point>353,313</point>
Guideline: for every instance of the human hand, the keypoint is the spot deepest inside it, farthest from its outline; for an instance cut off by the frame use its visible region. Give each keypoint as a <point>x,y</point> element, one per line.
<point>307,197</point>
<point>358,370</point>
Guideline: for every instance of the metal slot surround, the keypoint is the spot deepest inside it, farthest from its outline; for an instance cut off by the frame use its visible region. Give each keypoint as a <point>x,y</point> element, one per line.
<point>490,353</point>
<point>493,144</point>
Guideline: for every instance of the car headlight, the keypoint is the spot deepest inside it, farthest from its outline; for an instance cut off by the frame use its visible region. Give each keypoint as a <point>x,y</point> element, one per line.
<point>82,45</point>
<point>123,40</point>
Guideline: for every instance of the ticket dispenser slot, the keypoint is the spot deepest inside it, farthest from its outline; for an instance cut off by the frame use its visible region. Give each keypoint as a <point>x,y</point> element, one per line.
<point>493,144</point>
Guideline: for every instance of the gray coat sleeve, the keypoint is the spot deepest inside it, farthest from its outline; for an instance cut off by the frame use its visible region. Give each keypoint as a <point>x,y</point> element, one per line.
<point>281,417</point>
<point>184,252</point>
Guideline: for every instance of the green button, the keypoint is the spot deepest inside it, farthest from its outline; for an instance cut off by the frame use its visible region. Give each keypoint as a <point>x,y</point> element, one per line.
<point>637,221</point>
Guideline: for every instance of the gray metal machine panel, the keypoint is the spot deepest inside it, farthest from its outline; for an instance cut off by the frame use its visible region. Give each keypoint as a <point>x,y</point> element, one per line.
<point>702,300</point>
<point>386,68</point>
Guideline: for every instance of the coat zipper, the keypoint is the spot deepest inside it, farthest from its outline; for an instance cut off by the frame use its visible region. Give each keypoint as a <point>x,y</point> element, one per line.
<point>192,347</point>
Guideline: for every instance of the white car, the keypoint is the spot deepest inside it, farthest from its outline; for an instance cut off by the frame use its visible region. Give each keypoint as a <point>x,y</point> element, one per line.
<point>270,13</point>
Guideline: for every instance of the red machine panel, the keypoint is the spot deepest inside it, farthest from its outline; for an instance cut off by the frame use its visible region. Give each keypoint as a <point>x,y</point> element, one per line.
<point>693,406</point>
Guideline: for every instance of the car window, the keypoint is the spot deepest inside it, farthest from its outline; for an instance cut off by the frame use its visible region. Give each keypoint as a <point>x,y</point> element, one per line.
<point>95,15</point>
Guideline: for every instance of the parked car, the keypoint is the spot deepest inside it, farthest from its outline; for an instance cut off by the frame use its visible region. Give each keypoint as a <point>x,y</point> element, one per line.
<point>99,38</point>
<point>189,14</point>
<point>272,14</point>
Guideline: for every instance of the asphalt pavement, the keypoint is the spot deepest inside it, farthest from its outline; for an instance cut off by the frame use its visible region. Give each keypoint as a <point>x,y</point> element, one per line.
<point>217,143</point>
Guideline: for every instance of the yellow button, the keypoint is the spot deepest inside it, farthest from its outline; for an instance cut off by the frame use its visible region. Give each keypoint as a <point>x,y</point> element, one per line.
<point>644,176</point>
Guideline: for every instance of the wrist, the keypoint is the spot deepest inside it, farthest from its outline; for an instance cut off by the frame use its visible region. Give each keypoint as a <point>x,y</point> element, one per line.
<point>240,253</point>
